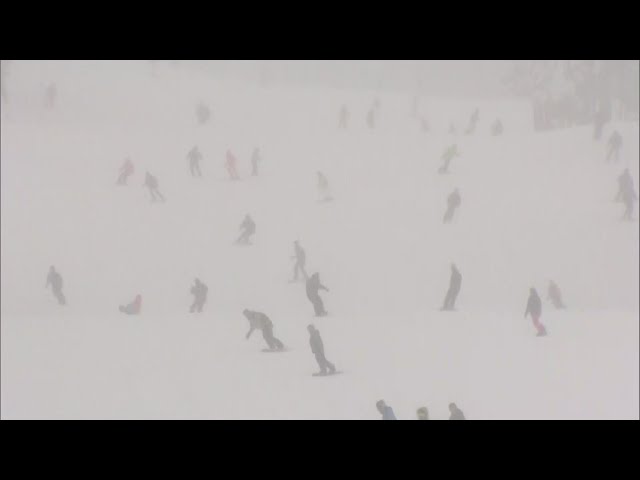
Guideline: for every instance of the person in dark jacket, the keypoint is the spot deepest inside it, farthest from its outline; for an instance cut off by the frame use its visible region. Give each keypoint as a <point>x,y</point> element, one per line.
<point>317,348</point>
<point>194,157</point>
<point>534,308</point>
<point>313,287</point>
<point>456,413</point>
<point>259,321</point>
<point>203,113</point>
<point>625,182</point>
<point>248,228</point>
<point>614,144</point>
<point>55,280</point>
<point>454,288</point>
<point>199,291</point>
<point>453,202</point>
<point>134,307</point>
<point>473,122</point>
<point>555,295</point>
<point>385,410</point>
<point>423,413</point>
<point>151,183</point>
<point>301,258</point>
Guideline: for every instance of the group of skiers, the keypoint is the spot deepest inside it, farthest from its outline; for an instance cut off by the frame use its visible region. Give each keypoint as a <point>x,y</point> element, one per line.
<point>422,413</point>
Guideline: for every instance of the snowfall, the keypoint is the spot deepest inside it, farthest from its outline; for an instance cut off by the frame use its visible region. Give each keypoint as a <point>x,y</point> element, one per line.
<point>535,207</point>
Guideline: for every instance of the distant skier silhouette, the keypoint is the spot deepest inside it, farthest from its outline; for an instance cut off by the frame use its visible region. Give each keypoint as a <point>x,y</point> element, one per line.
<point>625,182</point>
<point>199,291</point>
<point>599,120</point>
<point>344,118</point>
<point>554,294</point>
<point>323,188</point>
<point>55,280</point>
<point>259,321</point>
<point>151,183</point>
<point>385,410</point>
<point>453,202</point>
<point>454,288</point>
<point>534,308</point>
<point>614,145</point>
<point>50,96</point>
<point>456,413</point>
<point>629,197</point>
<point>313,287</point>
<point>203,113</point>
<point>195,156</point>
<point>125,172</point>
<point>132,308</point>
<point>448,155</point>
<point>231,165</point>
<point>300,258</point>
<point>317,348</point>
<point>255,160</point>
<point>497,128</point>
<point>473,122</point>
<point>248,228</point>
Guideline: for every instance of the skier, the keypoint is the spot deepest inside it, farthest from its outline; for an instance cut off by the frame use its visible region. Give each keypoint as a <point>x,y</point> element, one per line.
<point>615,144</point>
<point>151,183</point>
<point>323,187</point>
<point>255,159</point>
<point>448,155</point>
<point>344,117</point>
<point>125,171</point>
<point>454,288</point>
<point>133,308</point>
<point>300,257</point>
<point>313,286</point>
<point>259,321</point>
<point>534,308</point>
<point>423,413</point>
<point>555,295</point>
<point>194,157</point>
<point>473,121</point>
<point>385,410</point>
<point>496,128</point>
<point>317,348</point>
<point>199,291</point>
<point>625,182</point>
<point>453,202</point>
<point>629,197</point>
<point>50,95</point>
<point>456,413</point>
<point>371,118</point>
<point>231,165</point>
<point>203,113</point>
<point>55,280</point>
<point>249,227</point>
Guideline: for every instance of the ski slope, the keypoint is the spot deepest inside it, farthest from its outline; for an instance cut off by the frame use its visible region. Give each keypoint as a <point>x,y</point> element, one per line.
<point>534,207</point>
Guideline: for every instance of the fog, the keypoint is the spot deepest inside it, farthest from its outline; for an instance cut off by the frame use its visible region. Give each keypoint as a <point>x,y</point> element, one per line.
<point>353,240</point>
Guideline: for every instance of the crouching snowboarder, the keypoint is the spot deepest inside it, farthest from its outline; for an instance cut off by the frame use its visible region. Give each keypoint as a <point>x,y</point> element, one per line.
<point>132,308</point>
<point>259,321</point>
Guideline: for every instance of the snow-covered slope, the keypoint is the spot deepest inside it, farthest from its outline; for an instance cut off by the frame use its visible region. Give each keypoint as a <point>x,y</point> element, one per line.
<point>534,208</point>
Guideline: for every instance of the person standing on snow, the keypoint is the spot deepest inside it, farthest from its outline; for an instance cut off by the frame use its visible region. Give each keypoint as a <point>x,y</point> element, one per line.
<point>55,280</point>
<point>151,183</point>
<point>453,202</point>
<point>555,295</point>
<point>125,172</point>
<point>194,156</point>
<point>259,321</point>
<point>385,410</point>
<point>422,413</point>
<point>249,228</point>
<point>231,165</point>
<point>300,257</point>
<point>614,144</point>
<point>317,348</point>
<point>449,154</point>
<point>454,288</point>
<point>456,413</point>
<point>313,286</point>
<point>534,308</point>
<point>199,291</point>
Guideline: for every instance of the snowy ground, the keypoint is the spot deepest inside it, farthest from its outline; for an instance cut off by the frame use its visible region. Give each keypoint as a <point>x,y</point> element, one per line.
<point>534,208</point>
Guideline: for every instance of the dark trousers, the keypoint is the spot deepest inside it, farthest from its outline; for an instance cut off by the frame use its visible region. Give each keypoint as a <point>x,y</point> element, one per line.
<point>323,363</point>
<point>272,342</point>
<point>318,305</point>
<point>450,299</point>
<point>299,267</point>
<point>59,296</point>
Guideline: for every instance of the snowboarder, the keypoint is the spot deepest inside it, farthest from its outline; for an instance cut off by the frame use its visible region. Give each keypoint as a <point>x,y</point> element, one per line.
<point>614,144</point>
<point>194,157</point>
<point>300,257</point>
<point>448,155</point>
<point>55,280</point>
<point>151,183</point>
<point>344,117</point>
<point>249,228</point>
<point>125,171</point>
<point>629,197</point>
<point>473,121</point>
<point>423,413</point>
<point>454,288</point>
<point>534,308</point>
<point>132,308</point>
<point>456,413</point>
<point>203,113</point>
<point>385,410</point>
<point>317,348</point>
<point>50,96</point>
<point>199,291</point>
<point>259,321</point>
<point>255,159</point>
<point>453,202</point>
<point>625,182</point>
<point>554,294</point>
<point>313,286</point>
<point>323,187</point>
<point>231,165</point>
<point>496,128</point>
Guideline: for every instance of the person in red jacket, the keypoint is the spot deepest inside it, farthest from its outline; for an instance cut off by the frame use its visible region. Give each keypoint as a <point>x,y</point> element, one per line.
<point>134,307</point>
<point>231,165</point>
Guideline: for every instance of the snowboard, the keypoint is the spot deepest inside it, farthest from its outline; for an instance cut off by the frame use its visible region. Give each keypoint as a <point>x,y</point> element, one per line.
<point>318,374</point>
<point>268,350</point>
